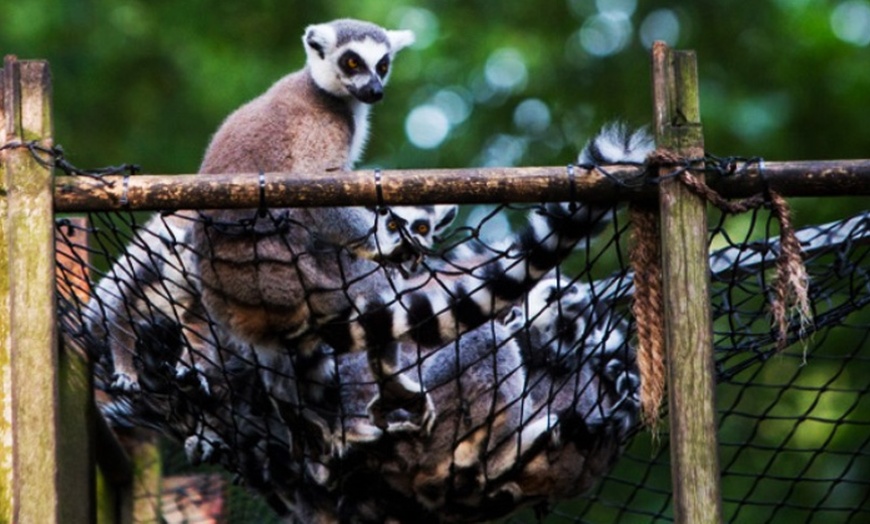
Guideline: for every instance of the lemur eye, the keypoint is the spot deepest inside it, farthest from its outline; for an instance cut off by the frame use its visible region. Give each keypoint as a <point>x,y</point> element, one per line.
<point>423,229</point>
<point>352,63</point>
<point>383,66</point>
<point>393,225</point>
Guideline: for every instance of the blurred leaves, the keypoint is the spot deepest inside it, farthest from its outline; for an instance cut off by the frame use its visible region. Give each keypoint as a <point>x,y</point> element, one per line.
<point>148,82</point>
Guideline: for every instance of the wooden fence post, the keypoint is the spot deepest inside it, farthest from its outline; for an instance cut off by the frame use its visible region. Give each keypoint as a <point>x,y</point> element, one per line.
<point>76,407</point>
<point>31,490</point>
<point>686,295</point>
<point>7,471</point>
<point>144,502</point>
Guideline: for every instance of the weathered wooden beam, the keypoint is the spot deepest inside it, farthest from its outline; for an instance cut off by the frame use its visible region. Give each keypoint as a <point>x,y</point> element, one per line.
<point>426,186</point>
<point>31,335</point>
<point>686,295</point>
<point>153,192</point>
<point>810,178</point>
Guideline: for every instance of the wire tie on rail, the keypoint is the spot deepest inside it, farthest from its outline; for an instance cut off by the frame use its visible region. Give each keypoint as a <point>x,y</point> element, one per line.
<point>572,189</point>
<point>379,192</point>
<point>125,188</point>
<point>262,210</point>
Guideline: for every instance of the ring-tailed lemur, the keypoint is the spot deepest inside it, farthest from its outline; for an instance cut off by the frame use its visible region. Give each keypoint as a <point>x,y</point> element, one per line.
<point>563,328</point>
<point>152,283</point>
<point>312,121</point>
<point>480,430</point>
<point>485,287</point>
<point>211,434</point>
<point>156,278</point>
<point>534,407</point>
<point>271,278</point>
<point>155,281</point>
<point>296,277</point>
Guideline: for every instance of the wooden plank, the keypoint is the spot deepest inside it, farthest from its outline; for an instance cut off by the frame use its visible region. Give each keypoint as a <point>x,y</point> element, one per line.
<point>686,291</point>
<point>106,500</point>
<point>112,459</point>
<point>29,219</point>
<point>77,472</point>
<point>95,493</point>
<point>144,450</point>
<point>114,477</point>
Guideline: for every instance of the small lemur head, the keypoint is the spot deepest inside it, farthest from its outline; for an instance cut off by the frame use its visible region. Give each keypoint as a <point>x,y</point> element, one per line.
<point>406,233</point>
<point>420,225</point>
<point>351,58</point>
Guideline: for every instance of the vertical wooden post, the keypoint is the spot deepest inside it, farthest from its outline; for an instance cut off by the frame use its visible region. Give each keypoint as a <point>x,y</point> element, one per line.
<point>686,289</point>
<point>76,407</point>
<point>7,471</point>
<point>144,502</point>
<point>30,337</point>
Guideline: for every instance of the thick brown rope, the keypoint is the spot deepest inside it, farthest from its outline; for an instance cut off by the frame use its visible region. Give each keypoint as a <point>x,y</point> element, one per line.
<point>790,289</point>
<point>648,311</point>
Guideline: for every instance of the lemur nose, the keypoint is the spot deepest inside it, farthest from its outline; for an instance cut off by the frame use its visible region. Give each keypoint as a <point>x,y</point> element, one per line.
<point>372,92</point>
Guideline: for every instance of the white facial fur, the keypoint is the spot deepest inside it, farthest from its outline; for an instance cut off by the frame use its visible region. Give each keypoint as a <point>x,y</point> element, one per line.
<point>371,45</point>
<point>423,224</point>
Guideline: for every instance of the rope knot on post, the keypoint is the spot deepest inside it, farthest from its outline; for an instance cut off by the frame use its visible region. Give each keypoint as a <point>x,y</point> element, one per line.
<point>790,295</point>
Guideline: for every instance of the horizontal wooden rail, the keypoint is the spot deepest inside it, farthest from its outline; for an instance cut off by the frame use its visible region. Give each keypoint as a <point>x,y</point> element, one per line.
<point>461,186</point>
<point>828,178</point>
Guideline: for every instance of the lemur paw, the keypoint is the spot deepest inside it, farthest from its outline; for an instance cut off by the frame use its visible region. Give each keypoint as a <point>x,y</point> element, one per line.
<point>401,407</point>
<point>202,447</point>
<point>194,375</point>
<point>124,383</point>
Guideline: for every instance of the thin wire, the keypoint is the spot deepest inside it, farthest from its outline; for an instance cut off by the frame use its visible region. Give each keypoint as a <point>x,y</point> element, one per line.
<point>263,208</point>
<point>572,189</point>
<point>379,190</point>
<point>125,187</point>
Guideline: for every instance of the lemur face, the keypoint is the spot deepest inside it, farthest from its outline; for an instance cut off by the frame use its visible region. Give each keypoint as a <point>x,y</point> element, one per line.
<point>421,225</point>
<point>351,59</point>
<point>408,232</point>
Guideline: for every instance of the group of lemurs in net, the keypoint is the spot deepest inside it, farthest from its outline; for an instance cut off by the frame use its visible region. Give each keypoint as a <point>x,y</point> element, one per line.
<point>349,362</point>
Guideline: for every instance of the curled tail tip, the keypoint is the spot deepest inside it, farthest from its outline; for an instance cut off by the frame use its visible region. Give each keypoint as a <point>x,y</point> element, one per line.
<point>616,143</point>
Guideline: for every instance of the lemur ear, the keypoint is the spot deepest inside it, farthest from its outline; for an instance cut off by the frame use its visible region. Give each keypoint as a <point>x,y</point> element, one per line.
<point>400,40</point>
<point>319,38</point>
<point>444,216</point>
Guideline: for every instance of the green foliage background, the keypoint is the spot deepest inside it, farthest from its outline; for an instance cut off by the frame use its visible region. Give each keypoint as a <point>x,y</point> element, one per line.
<point>147,82</point>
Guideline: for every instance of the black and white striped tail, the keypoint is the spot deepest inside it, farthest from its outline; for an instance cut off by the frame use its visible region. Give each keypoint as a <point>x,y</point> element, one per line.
<point>434,314</point>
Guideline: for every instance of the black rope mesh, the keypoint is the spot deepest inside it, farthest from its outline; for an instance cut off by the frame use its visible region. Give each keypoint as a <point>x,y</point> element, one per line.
<point>535,409</point>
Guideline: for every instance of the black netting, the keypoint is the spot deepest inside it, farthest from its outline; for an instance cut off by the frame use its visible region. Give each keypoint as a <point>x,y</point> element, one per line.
<point>530,389</point>
<point>511,389</point>
<point>794,444</point>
